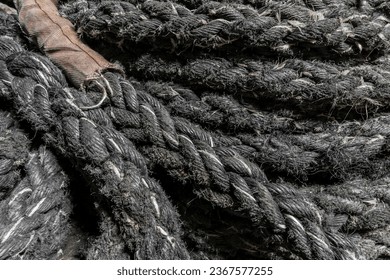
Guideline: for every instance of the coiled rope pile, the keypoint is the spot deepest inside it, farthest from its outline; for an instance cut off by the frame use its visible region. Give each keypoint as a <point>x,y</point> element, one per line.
<point>251,129</point>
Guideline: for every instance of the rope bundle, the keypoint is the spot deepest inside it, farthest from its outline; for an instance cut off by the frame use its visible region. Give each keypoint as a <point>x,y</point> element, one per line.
<point>104,154</point>
<point>271,179</point>
<point>276,27</point>
<point>35,207</point>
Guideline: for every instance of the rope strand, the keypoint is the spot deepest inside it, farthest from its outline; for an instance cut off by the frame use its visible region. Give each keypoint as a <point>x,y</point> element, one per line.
<point>335,29</point>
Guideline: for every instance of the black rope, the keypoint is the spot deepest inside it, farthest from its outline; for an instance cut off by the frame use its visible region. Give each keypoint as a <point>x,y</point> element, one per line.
<point>275,178</point>
<point>282,28</point>
<point>34,202</point>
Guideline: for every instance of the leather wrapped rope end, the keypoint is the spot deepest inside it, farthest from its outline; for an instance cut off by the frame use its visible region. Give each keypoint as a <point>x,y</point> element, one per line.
<point>57,38</point>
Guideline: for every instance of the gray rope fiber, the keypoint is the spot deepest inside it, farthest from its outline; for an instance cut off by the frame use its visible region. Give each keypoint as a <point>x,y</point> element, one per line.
<point>278,27</point>
<point>338,89</point>
<point>234,156</point>
<point>34,202</point>
<point>243,175</point>
<point>361,200</point>
<point>310,86</point>
<point>109,159</point>
<point>298,148</point>
<point>212,75</point>
<point>350,198</point>
<point>181,171</point>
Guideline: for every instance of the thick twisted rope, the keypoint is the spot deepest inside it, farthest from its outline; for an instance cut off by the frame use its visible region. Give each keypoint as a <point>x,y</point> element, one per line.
<point>275,27</point>
<point>34,201</point>
<point>365,202</point>
<point>301,148</point>
<point>219,165</point>
<point>225,159</point>
<point>310,86</point>
<point>228,172</point>
<point>365,205</point>
<point>337,90</point>
<point>109,160</point>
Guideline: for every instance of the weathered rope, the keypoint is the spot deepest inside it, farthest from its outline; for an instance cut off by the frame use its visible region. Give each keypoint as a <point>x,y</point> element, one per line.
<point>364,203</point>
<point>226,170</point>
<point>229,153</point>
<point>34,200</point>
<point>277,27</point>
<point>278,218</point>
<point>118,172</point>
<point>302,148</point>
<point>337,90</point>
<point>109,245</point>
<point>310,86</point>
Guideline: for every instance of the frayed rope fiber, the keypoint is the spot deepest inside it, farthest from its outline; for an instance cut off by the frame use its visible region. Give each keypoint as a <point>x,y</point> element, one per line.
<point>115,168</point>
<point>276,27</point>
<point>235,145</point>
<point>35,206</point>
